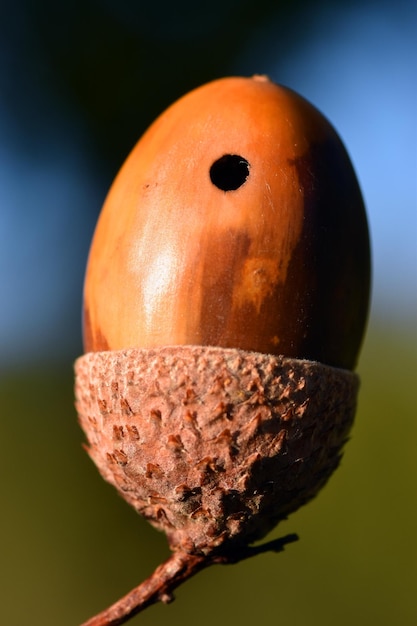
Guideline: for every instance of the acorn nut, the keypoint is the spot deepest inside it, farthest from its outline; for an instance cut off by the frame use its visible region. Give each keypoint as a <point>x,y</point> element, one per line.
<point>225,303</point>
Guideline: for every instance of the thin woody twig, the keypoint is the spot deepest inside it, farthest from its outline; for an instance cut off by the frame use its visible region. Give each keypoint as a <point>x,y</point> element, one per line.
<point>169,575</point>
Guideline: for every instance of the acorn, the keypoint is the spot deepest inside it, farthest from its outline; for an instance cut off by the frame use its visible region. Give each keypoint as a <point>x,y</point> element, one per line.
<point>225,303</point>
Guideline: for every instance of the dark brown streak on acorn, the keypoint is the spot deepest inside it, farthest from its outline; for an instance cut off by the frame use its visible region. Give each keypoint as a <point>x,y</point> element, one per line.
<point>220,271</point>
<point>96,341</point>
<point>334,244</point>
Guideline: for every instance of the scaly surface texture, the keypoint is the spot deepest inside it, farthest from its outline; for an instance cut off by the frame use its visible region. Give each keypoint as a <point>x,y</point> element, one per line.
<point>214,446</point>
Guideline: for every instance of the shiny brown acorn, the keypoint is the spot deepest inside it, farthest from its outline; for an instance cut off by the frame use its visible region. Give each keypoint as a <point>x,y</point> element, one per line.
<point>225,303</point>
<point>236,221</point>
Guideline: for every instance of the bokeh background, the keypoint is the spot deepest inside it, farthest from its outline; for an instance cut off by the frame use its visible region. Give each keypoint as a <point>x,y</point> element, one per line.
<point>79,83</point>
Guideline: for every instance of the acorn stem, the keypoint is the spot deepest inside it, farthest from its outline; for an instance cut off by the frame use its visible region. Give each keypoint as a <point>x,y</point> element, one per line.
<point>171,574</point>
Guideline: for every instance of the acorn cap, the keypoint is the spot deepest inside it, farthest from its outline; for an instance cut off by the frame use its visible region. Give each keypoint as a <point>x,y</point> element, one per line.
<point>213,445</point>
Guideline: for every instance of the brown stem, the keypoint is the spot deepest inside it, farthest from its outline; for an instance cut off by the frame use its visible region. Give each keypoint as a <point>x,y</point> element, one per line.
<point>169,575</point>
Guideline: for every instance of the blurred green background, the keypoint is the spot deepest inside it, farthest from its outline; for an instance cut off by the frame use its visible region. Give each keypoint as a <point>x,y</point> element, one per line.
<point>79,82</point>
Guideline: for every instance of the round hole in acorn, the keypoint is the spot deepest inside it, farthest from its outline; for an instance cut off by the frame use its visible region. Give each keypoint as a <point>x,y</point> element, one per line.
<point>229,172</point>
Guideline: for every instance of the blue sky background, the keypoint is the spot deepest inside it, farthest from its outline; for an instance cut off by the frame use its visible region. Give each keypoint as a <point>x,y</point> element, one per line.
<point>357,64</point>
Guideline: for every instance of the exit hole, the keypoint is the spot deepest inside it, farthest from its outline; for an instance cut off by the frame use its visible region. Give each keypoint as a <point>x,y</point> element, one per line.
<point>229,172</point>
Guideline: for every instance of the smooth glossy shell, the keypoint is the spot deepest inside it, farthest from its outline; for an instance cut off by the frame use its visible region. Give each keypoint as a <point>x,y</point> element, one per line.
<point>273,257</point>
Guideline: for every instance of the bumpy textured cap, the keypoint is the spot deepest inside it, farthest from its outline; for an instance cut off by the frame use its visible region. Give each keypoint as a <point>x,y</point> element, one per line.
<point>214,446</point>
